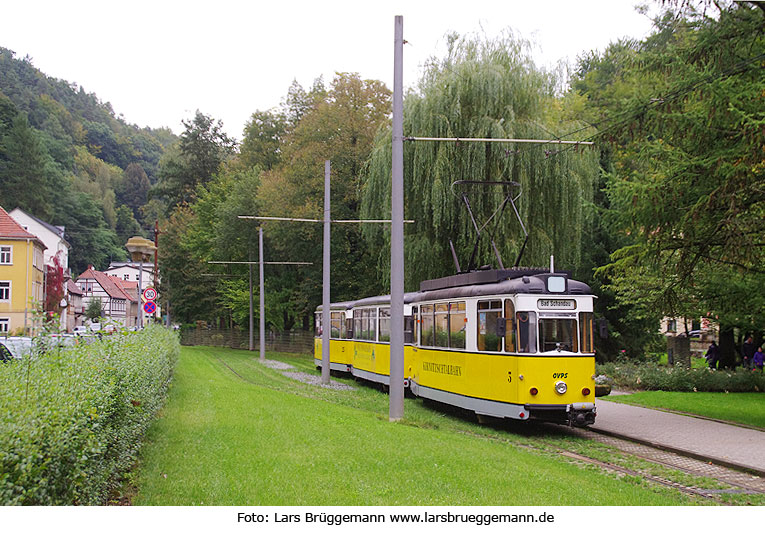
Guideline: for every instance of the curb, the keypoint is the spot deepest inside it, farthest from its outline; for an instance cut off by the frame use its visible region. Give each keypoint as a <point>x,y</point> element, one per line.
<point>680,451</point>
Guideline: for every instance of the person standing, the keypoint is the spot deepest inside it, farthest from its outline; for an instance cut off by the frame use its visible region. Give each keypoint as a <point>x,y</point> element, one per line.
<point>758,359</point>
<point>747,352</point>
<point>713,355</point>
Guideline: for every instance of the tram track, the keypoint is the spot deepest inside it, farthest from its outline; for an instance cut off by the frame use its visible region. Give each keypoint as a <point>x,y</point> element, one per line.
<point>731,481</point>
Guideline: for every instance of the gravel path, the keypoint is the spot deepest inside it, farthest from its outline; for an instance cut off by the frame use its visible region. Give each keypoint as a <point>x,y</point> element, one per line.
<point>316,380</point>
<point>310,379</point>
<point>276,365</point>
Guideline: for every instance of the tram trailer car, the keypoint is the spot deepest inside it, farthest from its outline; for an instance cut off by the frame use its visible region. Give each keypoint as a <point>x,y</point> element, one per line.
<point>514,343</point>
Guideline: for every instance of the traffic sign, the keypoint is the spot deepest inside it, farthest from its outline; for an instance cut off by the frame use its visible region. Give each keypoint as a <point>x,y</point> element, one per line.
<point>150,294</point>
<point>149,308</point>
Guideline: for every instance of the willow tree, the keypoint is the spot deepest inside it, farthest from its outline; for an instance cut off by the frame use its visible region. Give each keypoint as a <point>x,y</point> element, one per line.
<point>483,89</point>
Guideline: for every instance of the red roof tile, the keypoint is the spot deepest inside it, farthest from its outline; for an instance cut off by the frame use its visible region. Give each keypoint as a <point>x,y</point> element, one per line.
<point>10,229</point>
<point>128,287</point>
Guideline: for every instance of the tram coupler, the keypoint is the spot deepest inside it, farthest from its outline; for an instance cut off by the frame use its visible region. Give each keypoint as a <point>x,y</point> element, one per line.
<point>581,415</point>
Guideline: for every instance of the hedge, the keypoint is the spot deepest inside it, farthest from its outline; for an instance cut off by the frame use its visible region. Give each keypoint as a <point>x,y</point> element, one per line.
<point>72,420</point>
<point>648,376</point>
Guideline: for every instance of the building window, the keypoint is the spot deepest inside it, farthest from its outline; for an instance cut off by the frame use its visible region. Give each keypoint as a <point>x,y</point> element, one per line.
<point>672,326</point>
<point>6,255</point>
<point>5,291</point>
<point>126,277</point>
<point>5,325</point>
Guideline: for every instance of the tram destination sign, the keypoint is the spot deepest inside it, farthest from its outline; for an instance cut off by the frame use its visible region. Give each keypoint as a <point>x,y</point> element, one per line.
<point>556,304</point>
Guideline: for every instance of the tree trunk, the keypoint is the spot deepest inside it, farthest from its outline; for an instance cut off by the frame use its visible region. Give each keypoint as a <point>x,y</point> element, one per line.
<point>727,347</point>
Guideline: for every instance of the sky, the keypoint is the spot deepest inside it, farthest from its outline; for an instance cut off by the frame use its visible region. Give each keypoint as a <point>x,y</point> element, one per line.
<point>159,61</point>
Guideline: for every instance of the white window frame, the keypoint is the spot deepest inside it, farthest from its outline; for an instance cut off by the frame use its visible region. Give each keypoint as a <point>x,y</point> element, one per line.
<point>5,325</point>
<point>6,251</point>
<point>9,288</point>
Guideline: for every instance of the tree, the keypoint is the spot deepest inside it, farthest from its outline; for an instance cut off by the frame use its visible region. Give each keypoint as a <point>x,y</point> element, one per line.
<point>339,125</point>
<point>134,189</point>
<point>94,309</point>
<point>483,89</point>
<point>25,179</point>
<point>686,184</point>
<point>261,146</point>
<point>201,150</point>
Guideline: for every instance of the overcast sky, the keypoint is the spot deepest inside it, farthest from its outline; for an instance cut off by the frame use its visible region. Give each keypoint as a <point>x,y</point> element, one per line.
<point>158,61</point>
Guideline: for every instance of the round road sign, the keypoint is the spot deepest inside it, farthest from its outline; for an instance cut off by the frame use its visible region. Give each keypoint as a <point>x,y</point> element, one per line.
<point>150,294</point>
<point>149,308</point>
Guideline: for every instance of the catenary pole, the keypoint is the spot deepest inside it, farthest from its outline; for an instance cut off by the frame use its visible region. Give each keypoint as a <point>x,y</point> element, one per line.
<point>396,407</point>
<point>262,298</point>
<point>326,325</point>
<point>252,325</point>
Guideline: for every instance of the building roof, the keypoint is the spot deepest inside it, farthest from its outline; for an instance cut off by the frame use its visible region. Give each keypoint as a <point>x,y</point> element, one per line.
<point>73,288</point>
<point>130,288</point>
<point>56,230</point>
<point>107,283</point>
<point>12,230</point>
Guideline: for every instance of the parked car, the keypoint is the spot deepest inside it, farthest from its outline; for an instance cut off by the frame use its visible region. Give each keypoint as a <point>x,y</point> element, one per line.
<point>18,347</point>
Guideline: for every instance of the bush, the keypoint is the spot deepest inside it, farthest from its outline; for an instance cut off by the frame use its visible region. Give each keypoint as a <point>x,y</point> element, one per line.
<point>650,376</point>
<point>72,420</point>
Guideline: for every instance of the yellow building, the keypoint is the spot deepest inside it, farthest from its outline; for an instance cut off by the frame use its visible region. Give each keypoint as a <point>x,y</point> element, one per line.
<point>22,277</point>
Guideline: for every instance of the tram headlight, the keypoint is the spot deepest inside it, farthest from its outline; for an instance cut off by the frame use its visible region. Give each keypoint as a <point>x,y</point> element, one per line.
<point>561,387</point>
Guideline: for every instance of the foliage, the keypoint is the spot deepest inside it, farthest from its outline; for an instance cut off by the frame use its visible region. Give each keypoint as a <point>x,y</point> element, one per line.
<point>77,430</point>
<point>62,155</point>
<point>94,309</point>
<point>55,285</point>
<point>648,376</point>
<point>685,122</point>
<point>337,125</point>
<point>482,89</point>
<point>198,156</point>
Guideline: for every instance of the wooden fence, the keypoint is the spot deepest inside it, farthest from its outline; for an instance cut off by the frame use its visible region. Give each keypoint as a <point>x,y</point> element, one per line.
<point>289,341</point>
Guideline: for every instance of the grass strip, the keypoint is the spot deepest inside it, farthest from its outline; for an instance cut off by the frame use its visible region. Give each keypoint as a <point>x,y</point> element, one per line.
<point>746,408</point>
<point>255,437</point>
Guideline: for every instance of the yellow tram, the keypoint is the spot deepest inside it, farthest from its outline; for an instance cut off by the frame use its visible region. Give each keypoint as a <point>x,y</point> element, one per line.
<point>511,343</point>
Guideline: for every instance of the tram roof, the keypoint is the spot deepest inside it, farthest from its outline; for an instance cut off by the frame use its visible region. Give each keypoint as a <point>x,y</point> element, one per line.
<point>523,284</point>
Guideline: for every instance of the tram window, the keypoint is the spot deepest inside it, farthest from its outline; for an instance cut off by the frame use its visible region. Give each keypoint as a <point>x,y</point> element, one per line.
<point>457,324</point>
<point>509,326</point>
<point>526,326</point>
<point>318,324</point>
<point>348,331</point>
<point>336,323</point>
<point>489,312</point>
<point>426,333</point>
<point>357,332</point>
<point>384,324</point>
<point>372,324</point>
<point>587,325</point>
<point>442,328</point>
<point>557,334</point>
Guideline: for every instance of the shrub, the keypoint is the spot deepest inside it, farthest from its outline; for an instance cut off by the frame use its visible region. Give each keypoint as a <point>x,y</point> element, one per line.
<point>72,420</point>
<point>650,376</point>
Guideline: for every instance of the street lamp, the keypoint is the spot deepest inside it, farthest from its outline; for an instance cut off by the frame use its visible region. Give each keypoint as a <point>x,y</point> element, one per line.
<point>140,249</point>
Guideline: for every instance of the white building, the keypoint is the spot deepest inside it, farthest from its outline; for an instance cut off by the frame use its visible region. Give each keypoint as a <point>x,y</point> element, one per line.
<point>131,272</point>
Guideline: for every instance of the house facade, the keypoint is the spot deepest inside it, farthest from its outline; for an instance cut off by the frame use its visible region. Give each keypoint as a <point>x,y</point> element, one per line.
<point>75,310</point>
<point>56,248</point>
<point>117,304</point>
<point>22,276</point>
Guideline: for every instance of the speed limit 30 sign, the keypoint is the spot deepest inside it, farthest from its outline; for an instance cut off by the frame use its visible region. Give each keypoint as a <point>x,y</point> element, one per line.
<point>150,294</point>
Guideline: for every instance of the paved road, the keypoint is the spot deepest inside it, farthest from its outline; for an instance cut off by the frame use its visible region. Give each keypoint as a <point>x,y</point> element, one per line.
<point>724,443</point>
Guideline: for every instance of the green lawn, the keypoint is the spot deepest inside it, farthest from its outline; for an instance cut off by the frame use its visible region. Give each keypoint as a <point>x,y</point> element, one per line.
<point>742,407</point>
<point>237,433</point>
